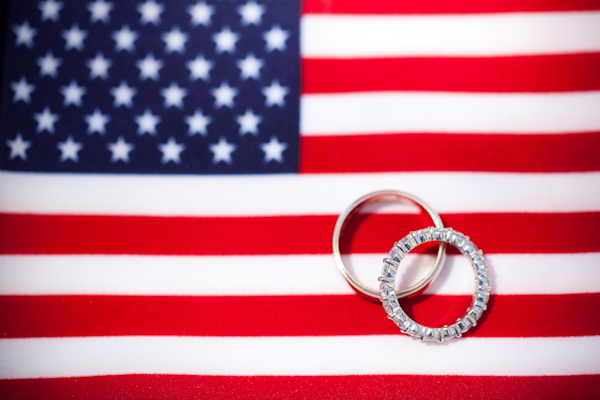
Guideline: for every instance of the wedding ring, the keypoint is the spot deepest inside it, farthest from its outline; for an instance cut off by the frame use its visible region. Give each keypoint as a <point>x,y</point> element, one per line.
<point>389,299</point>
<point>397,196</point>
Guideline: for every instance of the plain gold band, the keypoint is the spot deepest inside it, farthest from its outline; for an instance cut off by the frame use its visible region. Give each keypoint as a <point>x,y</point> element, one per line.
<point>386,195</point>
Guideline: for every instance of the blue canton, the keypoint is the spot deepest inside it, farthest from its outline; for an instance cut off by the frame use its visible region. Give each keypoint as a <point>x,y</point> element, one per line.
<point>150,86</point>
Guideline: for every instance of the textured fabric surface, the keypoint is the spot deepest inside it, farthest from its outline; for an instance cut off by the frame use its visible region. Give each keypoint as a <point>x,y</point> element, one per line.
<point>179,246</point>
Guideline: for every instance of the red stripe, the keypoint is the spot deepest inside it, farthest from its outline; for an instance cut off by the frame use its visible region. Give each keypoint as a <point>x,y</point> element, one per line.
<point>550,73</point>
<point>450,152</point>
<point>303,234</point>
<point>415,387</point>
<point>324,315</point>
<point>443,7</point>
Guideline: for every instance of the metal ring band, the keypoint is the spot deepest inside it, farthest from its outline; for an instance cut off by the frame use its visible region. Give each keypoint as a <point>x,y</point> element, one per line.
<point>390,300</point>
<point>383,195</point>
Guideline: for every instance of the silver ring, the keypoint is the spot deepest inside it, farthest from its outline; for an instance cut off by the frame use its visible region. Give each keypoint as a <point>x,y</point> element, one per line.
<point>390,300</point>
<point>383,195</point>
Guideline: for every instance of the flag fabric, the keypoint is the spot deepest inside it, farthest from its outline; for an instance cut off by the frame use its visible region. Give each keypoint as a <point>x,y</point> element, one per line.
<point>171,173</point>
<point>102,87</point>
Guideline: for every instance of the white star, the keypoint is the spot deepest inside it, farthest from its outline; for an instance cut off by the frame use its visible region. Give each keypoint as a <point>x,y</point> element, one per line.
<point>249,122</point>
<point>171,151</point>
<point>50,9</point>
<point>199,68</point>
<point>124,39</point>
<point>276,38</point>
<point>120,150</point>
<point>45,120</point>
<point>147,123</point>
<point>97,122</point>
<point>99,66</point>
<point>72,93</point>
<point>22,90</point>
<point>74,38</point>
<point>149,67</point>
<point>69,149</point>
<point>18,147</point>
<point>49,64</point>
<point>173,95</point>
<point>123,95</point>
<point>250,67</point>
<point>100,10</point>
<point>275,94</point>
<point>273,150</point>
<point>225,40</point>
<point>150,11</point>
<point>222,151</point>
<point>175,40</point>
<point>25,34</point>
<point>224,95</point>
<point>251,13</point>
<point>197,123</point>
<point>201,13</point>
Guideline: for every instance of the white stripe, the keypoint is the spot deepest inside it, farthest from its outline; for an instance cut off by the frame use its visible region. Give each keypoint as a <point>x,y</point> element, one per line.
<point>343,36</point>
<point>290,194</point>
<point>338,355</point>
<point>284,275</point>
<point>397,112</point>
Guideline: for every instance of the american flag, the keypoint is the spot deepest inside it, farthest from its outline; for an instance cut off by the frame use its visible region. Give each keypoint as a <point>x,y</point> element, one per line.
<point>171,173</point>
<point>152,88</point>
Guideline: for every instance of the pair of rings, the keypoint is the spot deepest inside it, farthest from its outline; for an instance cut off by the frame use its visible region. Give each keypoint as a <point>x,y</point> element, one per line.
<point>387,293</point>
